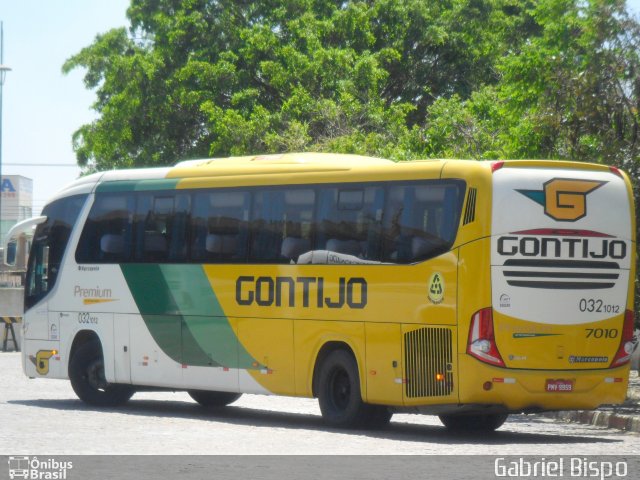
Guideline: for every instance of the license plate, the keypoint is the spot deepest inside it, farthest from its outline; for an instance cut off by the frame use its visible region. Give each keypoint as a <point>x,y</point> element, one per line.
<point>559,386</point>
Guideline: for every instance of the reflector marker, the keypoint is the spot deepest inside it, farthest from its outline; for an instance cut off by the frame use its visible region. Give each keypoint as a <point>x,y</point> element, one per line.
<point>503,380</point>
<point>612,380</point>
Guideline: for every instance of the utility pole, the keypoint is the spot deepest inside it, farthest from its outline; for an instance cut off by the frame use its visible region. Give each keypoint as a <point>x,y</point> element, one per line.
<point>3,72</point>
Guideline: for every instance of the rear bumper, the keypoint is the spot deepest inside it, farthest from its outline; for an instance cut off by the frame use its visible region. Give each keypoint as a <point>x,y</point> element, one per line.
<point>525,390</point>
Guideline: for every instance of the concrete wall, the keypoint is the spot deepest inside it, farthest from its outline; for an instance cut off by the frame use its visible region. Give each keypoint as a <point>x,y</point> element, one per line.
<point>11,306</point>
<point>11,302</point>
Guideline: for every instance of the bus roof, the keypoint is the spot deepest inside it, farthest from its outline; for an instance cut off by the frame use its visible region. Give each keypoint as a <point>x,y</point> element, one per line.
<point>308,158</point>
<point>290,168</point>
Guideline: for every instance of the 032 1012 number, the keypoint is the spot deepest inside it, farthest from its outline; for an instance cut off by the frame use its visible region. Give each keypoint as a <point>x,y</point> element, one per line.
<point>593,305</point>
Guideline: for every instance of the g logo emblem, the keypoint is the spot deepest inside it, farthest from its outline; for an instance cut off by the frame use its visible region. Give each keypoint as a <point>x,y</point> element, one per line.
<point>564,199</point>
<point>42,361</point>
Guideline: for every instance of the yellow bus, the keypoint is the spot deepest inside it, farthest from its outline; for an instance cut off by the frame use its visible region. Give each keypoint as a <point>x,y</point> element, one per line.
<point>464,289</point>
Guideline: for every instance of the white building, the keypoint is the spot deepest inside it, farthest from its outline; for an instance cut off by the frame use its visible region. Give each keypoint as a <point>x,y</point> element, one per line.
<point>16,204</point>
<point>16,201</point>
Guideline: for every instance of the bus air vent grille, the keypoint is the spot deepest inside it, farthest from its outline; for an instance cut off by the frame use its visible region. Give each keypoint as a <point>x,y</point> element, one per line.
<point>470,209</point>
<point>428,361</point>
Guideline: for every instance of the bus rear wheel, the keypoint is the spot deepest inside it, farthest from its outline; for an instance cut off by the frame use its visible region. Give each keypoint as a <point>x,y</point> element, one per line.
<point>474,423</point>
<point>213,399</point>
<point>86,372</point>
<point>340,397</point>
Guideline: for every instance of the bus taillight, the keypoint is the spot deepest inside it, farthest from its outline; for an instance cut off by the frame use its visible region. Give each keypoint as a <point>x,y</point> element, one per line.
<point>482,342</point>
<point>627,344</point>
<point>496,166</point>
<point>615,171</point>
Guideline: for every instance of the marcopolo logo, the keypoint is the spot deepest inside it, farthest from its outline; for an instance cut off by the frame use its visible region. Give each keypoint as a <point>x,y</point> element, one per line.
<point>564,199</point>
<point>34,468</point>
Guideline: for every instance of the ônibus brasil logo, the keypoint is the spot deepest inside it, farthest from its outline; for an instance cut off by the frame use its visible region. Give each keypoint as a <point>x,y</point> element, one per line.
<point>564,199</point>
<point>35,469</point>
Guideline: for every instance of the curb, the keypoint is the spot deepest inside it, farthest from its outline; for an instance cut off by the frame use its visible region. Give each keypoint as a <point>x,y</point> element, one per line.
<point>627,423</point>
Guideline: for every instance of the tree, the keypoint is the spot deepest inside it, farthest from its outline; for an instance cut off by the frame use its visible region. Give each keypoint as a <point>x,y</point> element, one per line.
<point>193,78</point>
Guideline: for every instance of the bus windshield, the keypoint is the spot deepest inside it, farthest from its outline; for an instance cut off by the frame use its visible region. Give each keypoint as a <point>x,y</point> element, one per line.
<point>49,243</point>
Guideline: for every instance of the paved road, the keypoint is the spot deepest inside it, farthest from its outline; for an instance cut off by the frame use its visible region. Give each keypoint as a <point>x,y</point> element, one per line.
<point>44,417</point>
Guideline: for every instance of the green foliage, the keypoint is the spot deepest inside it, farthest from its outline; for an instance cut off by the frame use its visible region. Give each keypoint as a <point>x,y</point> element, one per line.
<point>397,78</point>
<point>570,90</point>
<point>216,77</point>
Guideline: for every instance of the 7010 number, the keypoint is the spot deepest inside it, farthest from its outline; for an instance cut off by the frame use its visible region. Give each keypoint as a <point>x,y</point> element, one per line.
<point>602,332</point>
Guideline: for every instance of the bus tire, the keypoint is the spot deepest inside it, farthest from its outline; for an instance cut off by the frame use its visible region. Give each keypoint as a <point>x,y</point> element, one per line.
<point>86,372</point>
<point>213,399</point>
<point>339,392</point>
<point>474,423</point>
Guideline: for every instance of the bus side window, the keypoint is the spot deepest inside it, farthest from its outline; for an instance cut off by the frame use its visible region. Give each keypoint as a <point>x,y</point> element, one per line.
<point>219,226</point>
<point>281,226</point>
<point>420,220</point>
<point>349,220</point>
<point>107,234</point>
<point>178,228</point>
<point>151,240</point>
<point>161,226</point>
<point>298,223</point>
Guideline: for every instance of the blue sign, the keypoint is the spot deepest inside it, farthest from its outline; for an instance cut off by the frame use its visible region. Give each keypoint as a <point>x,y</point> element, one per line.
<point>6,186</point>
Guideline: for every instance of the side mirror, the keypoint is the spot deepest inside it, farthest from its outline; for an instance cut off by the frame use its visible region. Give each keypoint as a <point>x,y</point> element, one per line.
<point>12,238</point>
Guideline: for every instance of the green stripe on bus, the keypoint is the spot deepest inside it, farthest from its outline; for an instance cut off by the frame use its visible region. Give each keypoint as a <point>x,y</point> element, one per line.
<point>204,317</point>
<point>184,316</point>
<point>137,185</point>
<point>160,313</point>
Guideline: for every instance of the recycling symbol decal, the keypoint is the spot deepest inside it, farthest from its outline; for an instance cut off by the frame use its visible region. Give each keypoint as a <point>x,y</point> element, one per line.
<point>436,288</point>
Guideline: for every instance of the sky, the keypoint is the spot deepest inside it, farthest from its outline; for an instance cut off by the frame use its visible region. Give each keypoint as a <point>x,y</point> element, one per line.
<point>41,106</point>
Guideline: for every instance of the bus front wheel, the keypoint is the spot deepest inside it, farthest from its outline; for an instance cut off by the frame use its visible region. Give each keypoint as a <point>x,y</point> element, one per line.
<point>340,397</point>
<point>474,423</point>
<point>86,372</point>
<point>213,399</point>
